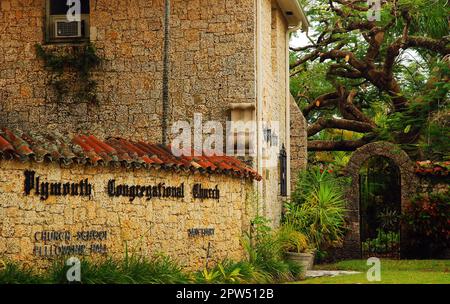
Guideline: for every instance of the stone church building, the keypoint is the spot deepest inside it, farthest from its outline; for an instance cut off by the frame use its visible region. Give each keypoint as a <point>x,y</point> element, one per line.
<point>83,101</point>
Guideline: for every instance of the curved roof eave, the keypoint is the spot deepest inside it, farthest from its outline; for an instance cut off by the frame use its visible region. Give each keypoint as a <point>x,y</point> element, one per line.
<point>294,14</point>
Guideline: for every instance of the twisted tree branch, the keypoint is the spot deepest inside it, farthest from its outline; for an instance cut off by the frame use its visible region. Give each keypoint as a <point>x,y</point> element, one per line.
<point>342,124</point>
<point>343,145</point>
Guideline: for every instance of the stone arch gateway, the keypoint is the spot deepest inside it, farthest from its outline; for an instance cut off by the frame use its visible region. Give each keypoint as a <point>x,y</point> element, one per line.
<point>408,186</point>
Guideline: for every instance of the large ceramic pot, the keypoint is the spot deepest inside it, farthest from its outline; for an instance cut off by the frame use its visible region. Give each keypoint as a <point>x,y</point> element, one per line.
<point>306,260</point>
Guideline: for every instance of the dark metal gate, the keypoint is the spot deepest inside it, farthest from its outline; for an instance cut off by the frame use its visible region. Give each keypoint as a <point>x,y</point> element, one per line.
<point>380,208</point>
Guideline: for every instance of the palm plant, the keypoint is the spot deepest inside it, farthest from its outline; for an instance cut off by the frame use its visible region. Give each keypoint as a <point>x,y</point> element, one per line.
<point>318,208</point>
<point>324,216</point>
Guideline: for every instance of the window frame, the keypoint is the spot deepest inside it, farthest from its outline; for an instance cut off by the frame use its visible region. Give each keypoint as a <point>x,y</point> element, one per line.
<point>49,39</point>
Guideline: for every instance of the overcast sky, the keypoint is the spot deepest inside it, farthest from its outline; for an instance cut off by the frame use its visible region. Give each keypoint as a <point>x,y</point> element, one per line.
<point>300,40</point>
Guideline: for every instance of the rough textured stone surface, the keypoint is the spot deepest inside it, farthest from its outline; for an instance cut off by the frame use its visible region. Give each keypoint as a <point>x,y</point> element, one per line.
<point>274,81</point>
<point>127,35</point>
<point>145,227</point>
<point>213,57</point>
<point>299,142</point>
<point>409,184</point>
<point>212,64</point>
<point>429,184</point>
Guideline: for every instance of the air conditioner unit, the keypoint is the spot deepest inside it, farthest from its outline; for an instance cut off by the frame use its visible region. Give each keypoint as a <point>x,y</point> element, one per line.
<point>67,29</point>
<point>62,29</point>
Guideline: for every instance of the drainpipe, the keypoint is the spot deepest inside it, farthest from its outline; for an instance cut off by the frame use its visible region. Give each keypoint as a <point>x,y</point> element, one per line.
<point>259,95</point>
<point>166,71</point>
<point>288,108</point>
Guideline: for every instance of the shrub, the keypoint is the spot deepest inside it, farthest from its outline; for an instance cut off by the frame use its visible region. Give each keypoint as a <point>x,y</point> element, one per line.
<point>266,255</point>
<point>292,240</point>
<point>12,273</point>
<point>318,208</point>
<point>428,224</point>
<point>385,242</point>
<point>207,276</point>
<point>130,270</point>
<point>229,272</point>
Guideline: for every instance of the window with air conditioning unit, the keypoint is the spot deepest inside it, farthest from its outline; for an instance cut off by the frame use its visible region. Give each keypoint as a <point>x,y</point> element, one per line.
<point>60,29</point>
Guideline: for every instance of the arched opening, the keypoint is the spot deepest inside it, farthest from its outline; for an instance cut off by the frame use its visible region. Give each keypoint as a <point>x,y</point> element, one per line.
<point>380,207</point>
<point>395,160</point>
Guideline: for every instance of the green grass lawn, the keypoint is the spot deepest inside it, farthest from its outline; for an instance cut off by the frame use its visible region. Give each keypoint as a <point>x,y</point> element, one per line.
<point>392,272</point>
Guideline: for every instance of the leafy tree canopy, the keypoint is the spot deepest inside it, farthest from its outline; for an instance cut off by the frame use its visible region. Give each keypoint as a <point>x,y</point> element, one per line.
<point>377,80</point>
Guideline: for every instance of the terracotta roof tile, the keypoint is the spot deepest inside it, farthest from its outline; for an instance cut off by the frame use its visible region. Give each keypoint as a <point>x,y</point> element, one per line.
<point>5,146</point>
<point>432,168</point>
<point>21,147</point>
<point>86,148</point>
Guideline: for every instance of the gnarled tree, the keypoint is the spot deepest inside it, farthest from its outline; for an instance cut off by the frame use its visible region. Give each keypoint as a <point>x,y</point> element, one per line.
<point>365,63</point>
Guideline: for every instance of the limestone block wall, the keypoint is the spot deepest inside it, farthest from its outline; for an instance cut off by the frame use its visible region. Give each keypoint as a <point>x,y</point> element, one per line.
<point>128,37</point>
<point>212,58</point>
<point>144,226</point>
<point>212,65</point>
<point>299,142</point>
<point>274,28</point>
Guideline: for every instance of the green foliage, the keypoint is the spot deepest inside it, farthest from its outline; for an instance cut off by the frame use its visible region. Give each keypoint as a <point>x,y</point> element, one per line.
<point>229,272</point>
<point>427,116</point>
<point>303,88</point>
<point>331,161</point>
<point>341,159</point>
<point>12,273</point>
<point>427,220</point>
<point>393,272</point>
<point>429,18</point>
<point>318,207</point>
<point>251,273</point>
<point>421,74</point>
<point>82,59</point>
<point>130,270</point>
<point>264,264</point>
<point>292,240</point>
<point>391,265</point>
<point>383,243</point>
<point>265,253</point>
<point>208,276</point>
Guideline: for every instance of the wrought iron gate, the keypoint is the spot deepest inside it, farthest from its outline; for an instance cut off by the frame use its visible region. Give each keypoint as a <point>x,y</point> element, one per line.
<point>380,208</point>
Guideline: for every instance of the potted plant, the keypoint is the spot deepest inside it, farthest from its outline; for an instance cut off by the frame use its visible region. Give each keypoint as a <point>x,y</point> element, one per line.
<point>296,247</point>
<point>318,209</point>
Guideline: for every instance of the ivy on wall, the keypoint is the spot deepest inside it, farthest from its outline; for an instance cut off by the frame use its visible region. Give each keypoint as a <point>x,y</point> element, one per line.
<point>72,67</point>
